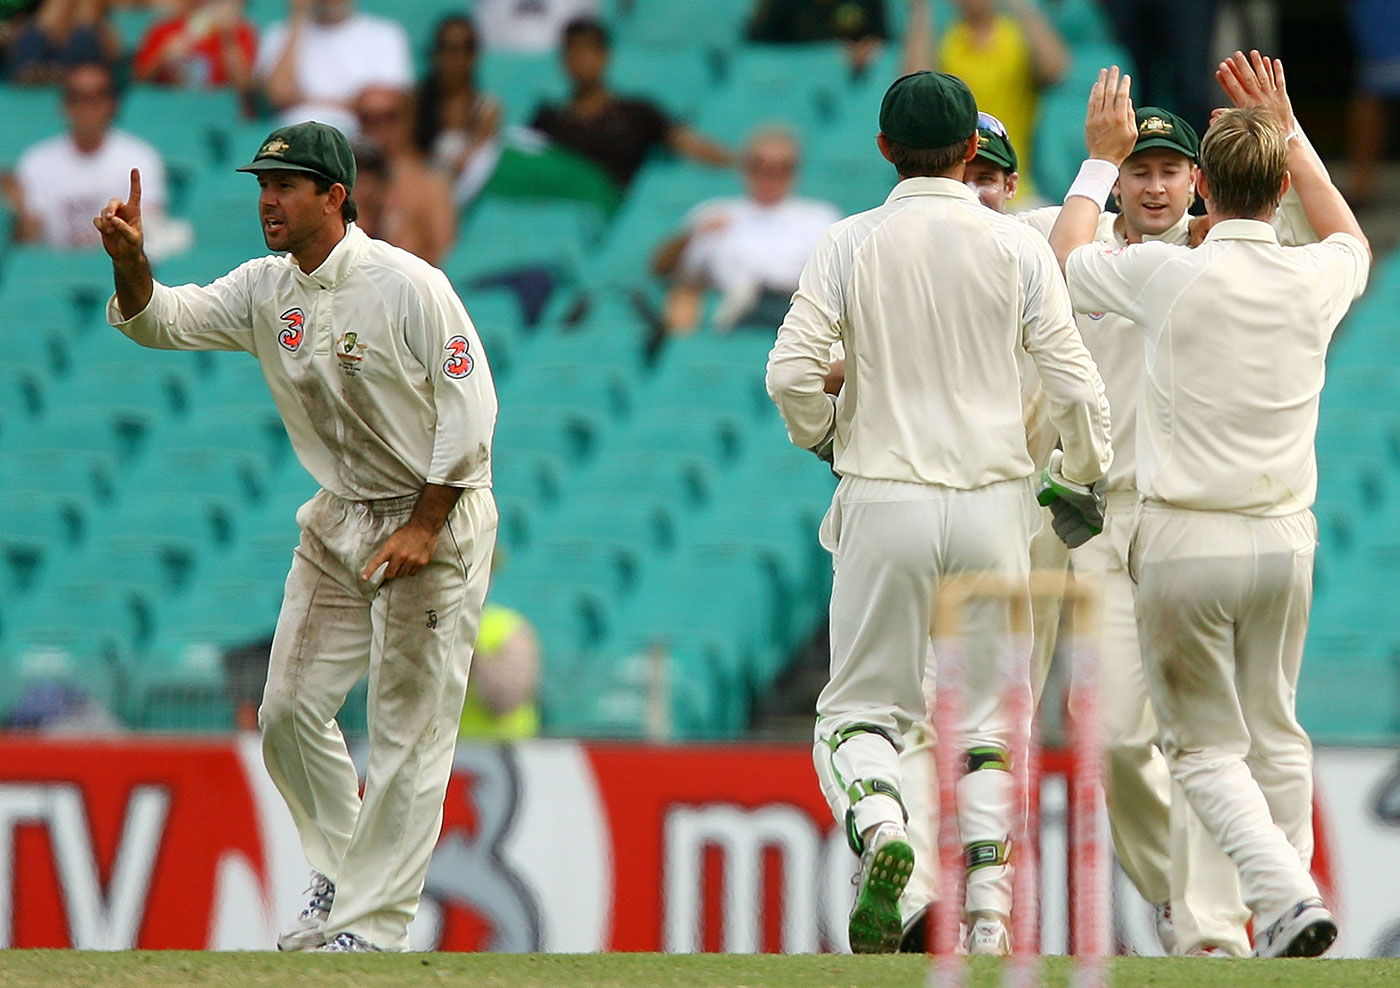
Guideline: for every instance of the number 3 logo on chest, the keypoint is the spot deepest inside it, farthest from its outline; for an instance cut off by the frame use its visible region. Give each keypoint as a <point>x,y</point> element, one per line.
<point>460,364</point>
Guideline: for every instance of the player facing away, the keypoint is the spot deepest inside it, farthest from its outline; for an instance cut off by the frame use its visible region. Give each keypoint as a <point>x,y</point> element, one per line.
<point>932,296</point>
<point>388,401</point>
<point>992,175</point>
<point>1235,335</point>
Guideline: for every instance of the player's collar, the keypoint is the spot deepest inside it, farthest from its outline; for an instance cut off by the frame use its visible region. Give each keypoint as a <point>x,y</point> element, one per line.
<point>1178,233</point>
<point>1240,229</point>
<point>339,262</point>
<point>931,186</point>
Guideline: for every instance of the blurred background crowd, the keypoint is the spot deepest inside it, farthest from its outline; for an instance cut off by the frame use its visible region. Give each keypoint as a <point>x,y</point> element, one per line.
<point>624,193</point>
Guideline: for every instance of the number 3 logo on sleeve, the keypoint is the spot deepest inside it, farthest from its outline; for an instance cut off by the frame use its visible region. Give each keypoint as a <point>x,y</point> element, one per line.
<point>460,364</point>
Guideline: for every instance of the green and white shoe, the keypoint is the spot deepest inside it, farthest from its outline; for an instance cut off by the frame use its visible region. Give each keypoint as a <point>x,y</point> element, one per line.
<point>885,868</point>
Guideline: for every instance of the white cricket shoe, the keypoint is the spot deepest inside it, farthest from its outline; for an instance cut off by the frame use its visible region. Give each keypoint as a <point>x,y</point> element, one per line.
<point>988,937</point>
<point>308,930</point>
<point>348,943</point>
<point>1166,929</point>
<point>1306,929</point>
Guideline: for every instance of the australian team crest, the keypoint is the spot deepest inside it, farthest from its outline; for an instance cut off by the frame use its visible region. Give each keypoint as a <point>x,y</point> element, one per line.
<point>1155,126</point>
<point>350,351</point>
<point>291,337</point>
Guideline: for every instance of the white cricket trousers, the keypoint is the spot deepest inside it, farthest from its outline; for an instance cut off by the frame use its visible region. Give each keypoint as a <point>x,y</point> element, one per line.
<point>1222,613</point>
<point>892,544</point>
<point>415,636</point>
<point>1160,842</point>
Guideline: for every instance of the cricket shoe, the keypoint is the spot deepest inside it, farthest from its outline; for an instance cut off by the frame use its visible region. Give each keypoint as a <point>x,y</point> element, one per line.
<point>348,943</point>
<point>885,868</point>
<point>988,938</point>
<point>1306,929</point>
<point>308,930</point>
<point>1209,950</point>
<point>1166,929</point>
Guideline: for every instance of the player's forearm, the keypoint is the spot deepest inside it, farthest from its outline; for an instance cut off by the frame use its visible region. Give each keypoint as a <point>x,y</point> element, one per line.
<point>1326,211</point>
<point>1076,226</point>
<point>796,375</point>
<point>1077,405</point>
<point>134,284</point>
<point>435,504</point>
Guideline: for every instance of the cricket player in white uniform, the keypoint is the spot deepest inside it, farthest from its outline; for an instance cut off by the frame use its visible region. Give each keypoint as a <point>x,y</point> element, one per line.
<point>1235,335</point>
<point>388,401</point>
<point>992,175</point>
<point>1201,910</point>
<point>933,296</point>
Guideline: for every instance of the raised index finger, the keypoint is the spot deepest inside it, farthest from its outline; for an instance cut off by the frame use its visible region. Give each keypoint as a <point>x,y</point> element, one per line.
<point>133,198</point>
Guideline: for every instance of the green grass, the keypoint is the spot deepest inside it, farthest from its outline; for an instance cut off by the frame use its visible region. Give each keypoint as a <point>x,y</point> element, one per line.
<point>167,969</point>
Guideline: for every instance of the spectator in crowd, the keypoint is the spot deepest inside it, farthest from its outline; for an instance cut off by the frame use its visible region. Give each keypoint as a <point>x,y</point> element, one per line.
<point>312,65</point>
<point>859,24</point>
<point>615,132</point>
<point>60,183</point>
<point>750,249</point>
<point>530,26</point>
<point>1005,59</point>
<point>457,125</point>
<point>415,210</point>
<point>1170,42</point>
<point>505,677</point>
<point>206,43</point>
<point>53,35</point>
<point>1375,26</point>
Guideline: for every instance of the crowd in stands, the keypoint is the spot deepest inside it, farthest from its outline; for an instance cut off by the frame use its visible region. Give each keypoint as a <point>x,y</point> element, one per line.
<point>437,139</point>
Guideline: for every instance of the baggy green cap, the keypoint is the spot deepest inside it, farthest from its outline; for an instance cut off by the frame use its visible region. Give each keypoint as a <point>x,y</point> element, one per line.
<point>993,143</point>
<point>1159,128</point>
<point>928,110</point>
<point>307,147</point>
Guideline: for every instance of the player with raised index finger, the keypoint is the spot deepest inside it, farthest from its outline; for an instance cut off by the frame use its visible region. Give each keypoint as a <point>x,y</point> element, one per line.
<point>932,296</point>
<point>388,401</point>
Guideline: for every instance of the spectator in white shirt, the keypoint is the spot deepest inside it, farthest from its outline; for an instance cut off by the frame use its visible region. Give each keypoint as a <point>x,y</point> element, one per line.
<point>59,183</point>
<point>312,65</point>
<point>750,248</point>
<point>528,25</point>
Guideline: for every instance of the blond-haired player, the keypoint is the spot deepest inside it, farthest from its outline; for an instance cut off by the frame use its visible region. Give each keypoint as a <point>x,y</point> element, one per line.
<point>1235,335</point>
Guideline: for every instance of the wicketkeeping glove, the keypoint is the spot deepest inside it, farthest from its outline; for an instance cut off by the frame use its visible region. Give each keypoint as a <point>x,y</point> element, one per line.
<point>1076,511</point>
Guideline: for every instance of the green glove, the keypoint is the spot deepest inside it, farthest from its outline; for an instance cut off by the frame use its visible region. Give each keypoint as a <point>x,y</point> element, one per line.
<point>1076,511</point>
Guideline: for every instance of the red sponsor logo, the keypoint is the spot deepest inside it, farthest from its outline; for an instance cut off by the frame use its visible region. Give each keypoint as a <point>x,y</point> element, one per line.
<point>119,846</point>
<point>460,364</point>
<point>291,337</point>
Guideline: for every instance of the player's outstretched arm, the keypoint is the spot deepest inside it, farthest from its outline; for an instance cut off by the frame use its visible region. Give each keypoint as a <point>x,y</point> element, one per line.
<point>119,223</point>
<point>1110,131</point>
<point>1257,80</point>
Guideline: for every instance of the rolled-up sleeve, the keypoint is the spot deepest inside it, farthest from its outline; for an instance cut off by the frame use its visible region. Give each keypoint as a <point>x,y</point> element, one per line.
<point>464,393</point>
<point>218,316</point>
<point>801,356</point>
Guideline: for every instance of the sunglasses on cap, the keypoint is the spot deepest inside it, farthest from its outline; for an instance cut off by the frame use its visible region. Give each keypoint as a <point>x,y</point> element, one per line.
<point>987,122</point>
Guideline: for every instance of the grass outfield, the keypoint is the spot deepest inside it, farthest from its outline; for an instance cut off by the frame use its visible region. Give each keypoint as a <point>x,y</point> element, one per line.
<point>168,969</point>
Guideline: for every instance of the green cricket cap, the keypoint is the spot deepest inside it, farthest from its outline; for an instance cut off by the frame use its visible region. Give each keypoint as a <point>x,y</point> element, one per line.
<point>307,147</point>
<point>1159,128</point>
<point>928,110</point>
<point>993,143</point>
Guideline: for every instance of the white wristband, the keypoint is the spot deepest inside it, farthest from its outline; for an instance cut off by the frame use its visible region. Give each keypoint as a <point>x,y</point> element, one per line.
<point>1095,181</point>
